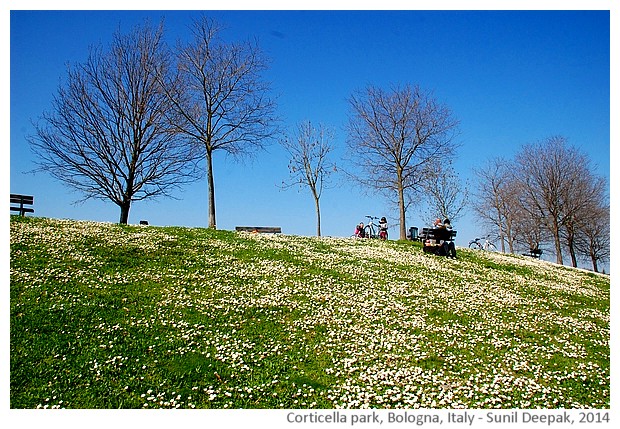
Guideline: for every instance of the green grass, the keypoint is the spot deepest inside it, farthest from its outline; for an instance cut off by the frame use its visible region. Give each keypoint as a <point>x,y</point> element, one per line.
<point>110,316</point>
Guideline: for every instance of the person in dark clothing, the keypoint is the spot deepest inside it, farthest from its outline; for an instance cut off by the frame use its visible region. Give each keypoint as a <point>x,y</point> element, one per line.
<point>447,246</point>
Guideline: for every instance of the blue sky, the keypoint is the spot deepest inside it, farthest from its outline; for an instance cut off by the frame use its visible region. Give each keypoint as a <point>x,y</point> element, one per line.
<point>510,78</point>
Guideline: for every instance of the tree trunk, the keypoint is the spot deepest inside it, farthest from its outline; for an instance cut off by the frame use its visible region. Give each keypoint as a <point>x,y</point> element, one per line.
<point>573,255</point>
<point>318,216</point>
<point>211,187</point>
<point>125,211</point>
<point>594,259</point>
<point>558,242</point>
<point>509,236</point>
<point>501,237</point>
<point>594,264</point>
<point>558,250</point>
<point>401,207</point>
<point>126,203</point>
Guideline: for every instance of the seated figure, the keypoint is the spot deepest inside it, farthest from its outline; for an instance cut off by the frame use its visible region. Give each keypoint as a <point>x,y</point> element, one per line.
<point>442,244</point>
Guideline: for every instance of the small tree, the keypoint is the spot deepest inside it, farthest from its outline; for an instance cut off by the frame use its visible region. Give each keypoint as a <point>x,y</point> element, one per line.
<point>109,135</point>
<point>497,202</point>
<point>394,137</point>
<point>309,163</point>
<point>446,195</point>
<point>593,242</point>
<point>223,100</point>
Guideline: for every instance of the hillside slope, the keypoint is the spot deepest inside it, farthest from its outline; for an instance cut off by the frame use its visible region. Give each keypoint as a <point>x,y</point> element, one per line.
<point>105,316</point>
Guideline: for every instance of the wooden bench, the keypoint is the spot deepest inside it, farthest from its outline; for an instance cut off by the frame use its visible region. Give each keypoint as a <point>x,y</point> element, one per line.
<point>260,229</point>
<point>22,200</point>
<point>534,253</point>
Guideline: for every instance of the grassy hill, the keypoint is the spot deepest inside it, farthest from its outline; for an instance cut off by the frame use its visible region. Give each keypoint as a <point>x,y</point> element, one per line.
<point>106,316</point>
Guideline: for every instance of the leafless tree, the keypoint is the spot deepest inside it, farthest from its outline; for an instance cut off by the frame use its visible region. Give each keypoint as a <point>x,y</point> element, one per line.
<point>543,173</point>
<point>528,231</point>
<point>447,197</point>
<point>496,202</point>
<point>557,189</point>
<point>395,137</point>
<point>309,163</point>
<point>108,134</point>
<point>548,195</point>
<point>593,242</point>
<point>582,199</point>
<point>222,97</point>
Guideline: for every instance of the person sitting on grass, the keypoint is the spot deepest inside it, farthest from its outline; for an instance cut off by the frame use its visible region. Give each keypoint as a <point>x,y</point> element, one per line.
<point>359,230</point>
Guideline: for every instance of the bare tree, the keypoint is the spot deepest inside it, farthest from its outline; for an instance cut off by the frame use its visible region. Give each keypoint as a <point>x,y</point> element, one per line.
<point>496,200</point>
<point>548,195</point>
<point>108,134</point>
<point>557,190</point>
<point>582,198</point>
<point>594,239</point>
<point>543,172</point>
<point>309,163</point>
<point>395,136</point>
<point>222,98</point>
<point>528,231</point>
<point>446,195</point>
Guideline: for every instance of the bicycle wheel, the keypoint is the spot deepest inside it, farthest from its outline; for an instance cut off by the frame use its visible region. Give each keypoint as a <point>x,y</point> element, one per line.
<point>369,231</point>
<point>475,245</point>
<point>491,247</point>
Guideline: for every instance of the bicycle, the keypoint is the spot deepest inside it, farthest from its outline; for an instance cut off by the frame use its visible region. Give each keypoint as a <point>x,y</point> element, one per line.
<point>487,245</point>
<point>370,230</point>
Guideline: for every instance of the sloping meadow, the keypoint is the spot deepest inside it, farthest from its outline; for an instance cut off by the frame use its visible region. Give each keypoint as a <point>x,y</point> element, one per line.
<point>106,316</point>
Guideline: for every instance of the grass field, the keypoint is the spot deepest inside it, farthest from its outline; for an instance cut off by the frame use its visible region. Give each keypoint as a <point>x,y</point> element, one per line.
<point>111,316</point>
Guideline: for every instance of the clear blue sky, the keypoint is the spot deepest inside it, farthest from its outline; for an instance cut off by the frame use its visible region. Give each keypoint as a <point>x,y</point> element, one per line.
<point>510,78</point>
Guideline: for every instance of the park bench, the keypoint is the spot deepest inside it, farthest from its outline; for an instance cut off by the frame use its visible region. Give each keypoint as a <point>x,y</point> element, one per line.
<point>432,239</point>
<point>22,200</point>
<point>534,253</point>
<point>260,229</point>
<point>429,234</point>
